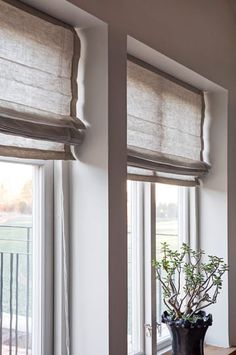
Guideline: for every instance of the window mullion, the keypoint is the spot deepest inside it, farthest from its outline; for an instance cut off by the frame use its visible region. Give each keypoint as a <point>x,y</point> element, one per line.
<point>193,208</point>
<point>140,258</point>
<point>42,260</point>
<point>153,272</point>
<point>136,266</point>
<point>38,226</point>
<point>135,195</point>
<point>183,216</point>
<point>150,277</point>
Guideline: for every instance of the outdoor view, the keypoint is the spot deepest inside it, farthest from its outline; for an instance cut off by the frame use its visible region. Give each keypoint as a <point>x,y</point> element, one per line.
<point>15,258</point>
<point>167,230</point>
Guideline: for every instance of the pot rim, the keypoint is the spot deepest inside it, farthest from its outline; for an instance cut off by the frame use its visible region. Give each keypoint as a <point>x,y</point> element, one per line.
<point>203,321</point>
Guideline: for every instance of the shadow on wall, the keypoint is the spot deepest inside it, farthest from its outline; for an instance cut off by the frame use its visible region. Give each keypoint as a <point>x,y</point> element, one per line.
<point>92,104</point>
<point>215,136</point>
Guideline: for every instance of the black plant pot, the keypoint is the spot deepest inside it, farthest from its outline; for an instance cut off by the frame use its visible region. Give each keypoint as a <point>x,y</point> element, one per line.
<point>188,338</point>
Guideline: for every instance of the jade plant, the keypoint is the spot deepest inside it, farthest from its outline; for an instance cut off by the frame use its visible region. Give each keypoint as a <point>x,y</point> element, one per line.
<point>189,280</point>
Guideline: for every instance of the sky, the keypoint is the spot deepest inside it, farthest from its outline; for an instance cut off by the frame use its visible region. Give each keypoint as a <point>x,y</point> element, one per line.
<point>13,176</point>
<point>167,193</point>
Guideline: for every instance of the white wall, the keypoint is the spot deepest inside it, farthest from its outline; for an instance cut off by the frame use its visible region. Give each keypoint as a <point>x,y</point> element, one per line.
<point>98,199</point>
<point>89,202</point>
<point>213,208</point>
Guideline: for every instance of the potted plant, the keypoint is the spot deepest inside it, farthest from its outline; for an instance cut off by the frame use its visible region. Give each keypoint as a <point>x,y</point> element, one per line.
<point>189,284</point>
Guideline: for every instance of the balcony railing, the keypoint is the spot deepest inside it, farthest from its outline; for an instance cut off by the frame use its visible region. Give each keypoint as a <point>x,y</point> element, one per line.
<point>15,290</point>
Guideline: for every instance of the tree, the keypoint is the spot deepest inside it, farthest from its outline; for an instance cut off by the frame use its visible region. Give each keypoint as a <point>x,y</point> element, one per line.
<point>25,198</point>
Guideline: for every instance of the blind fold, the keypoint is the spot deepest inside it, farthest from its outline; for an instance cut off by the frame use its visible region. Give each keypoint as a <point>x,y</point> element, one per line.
<point>38,84</point>
<point>165,126</point>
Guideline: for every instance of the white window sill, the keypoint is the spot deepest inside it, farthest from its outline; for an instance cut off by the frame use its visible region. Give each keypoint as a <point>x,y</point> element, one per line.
<point>164,345</point>
<point>165,351</point>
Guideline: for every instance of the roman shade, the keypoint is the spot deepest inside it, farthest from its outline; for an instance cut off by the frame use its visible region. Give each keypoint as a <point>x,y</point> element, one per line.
<point>164,127</point>
<point>38,84</point>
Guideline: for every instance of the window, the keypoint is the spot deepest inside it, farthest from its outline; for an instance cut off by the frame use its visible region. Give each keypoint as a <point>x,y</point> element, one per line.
<point>24,247</point>
<point>135,269</point>
<point>156,213</point>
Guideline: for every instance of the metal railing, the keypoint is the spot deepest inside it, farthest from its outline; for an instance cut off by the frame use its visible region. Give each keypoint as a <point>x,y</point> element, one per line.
<point>15,289</point>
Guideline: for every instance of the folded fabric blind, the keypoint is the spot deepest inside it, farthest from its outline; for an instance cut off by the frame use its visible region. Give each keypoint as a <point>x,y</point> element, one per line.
<point>38,84</point>
<point>165,127</point>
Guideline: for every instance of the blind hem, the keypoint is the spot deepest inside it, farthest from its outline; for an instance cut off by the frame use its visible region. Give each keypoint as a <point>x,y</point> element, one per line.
<point>163,180</point>
<point>59,134</point>
<point>196,169</point>
<point>38,154</point>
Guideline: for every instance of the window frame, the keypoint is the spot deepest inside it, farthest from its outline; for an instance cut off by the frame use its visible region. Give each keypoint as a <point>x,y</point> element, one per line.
<point>146,210</point>
<point>42,326</point>
<point>136,195</point>
<point>42,266</point>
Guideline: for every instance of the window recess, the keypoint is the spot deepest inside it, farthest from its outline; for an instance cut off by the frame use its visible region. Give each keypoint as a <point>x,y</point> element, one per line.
<point>165,163</point>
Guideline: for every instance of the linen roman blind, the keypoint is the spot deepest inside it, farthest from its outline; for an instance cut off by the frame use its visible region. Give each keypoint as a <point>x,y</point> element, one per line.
<point>38,84</point>
<point>165,127</point>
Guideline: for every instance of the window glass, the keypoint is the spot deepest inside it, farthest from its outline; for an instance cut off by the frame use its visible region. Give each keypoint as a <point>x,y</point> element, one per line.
<point>166,215</point>
<point>167,230</point>
<point>16,198</point>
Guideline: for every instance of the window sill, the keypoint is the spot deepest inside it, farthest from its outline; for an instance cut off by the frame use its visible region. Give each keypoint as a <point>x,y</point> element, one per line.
<point>209,350</point>
<point>214,350</point>
<point>164,345</point>
<point>165,351</point>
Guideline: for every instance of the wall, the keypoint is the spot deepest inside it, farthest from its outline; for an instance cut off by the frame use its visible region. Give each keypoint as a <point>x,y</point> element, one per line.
<point>213,207</point>
<point>98,200</point>
<point>200,35</point>
<point>89,203</point>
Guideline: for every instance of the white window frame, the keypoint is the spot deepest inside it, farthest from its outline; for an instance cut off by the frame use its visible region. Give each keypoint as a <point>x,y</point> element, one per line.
<point>144,227</point>
<point>136,195</point>
<point>42,268</point>
<point>42,327</point>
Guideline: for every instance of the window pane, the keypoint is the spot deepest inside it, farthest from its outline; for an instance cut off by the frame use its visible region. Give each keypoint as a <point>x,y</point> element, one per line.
<point>167,230</point>
<point>15,257</point>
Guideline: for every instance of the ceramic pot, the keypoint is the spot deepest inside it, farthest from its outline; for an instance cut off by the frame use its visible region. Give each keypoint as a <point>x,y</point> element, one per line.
<point>187,338</point>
